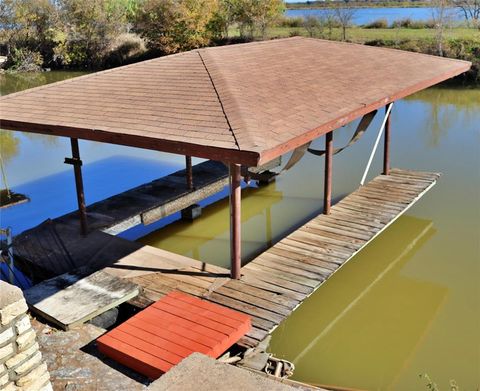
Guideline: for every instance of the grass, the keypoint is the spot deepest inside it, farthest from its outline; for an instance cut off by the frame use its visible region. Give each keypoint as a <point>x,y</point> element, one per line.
<point>459,42</point>
<point>361,35</point>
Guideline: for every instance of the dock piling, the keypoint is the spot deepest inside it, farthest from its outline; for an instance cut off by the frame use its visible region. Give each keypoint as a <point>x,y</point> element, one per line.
<point>327,194</point>
<point>77,169</point>
<point>235,221</point>
<point>386,148</point>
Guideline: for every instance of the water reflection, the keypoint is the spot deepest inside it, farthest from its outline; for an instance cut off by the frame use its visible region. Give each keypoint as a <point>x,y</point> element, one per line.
<point>447,109</point>
<point>371,287</point>
<point>207,238</point>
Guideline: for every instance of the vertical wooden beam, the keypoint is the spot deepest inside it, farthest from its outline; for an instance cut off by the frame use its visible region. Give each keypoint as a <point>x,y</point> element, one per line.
<point>327,191</point>
<point>235,222</point>
<point>189,172</point>
<point>77,169</point>
<point>386,148</point>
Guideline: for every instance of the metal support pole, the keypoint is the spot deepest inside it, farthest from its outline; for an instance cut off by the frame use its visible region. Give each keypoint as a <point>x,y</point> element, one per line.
<point>77,169</point>
<point>189,172</point>
<point>386,147</point>
<point>327,193</point>
<point>377,140</point>
<point>235,222</point>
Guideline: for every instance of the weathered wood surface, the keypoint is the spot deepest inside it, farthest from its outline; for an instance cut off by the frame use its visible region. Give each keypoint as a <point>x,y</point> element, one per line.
<point>281,278</point>
<point>74,298</point>
<point>152,201</point>
<point>56,246</point>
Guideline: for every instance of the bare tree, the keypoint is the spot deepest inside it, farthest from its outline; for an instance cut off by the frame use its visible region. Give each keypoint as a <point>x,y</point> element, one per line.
<point>441,16</point>
<point>344,15</point>
<point>470,9</point>
<point>314,25</point>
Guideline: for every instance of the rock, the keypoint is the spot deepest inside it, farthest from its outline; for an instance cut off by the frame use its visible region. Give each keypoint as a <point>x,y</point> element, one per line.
<point>107,319</point>
<point>23,324</point>
<point>28,365</point>
<point>6,336</point>
<point>36,384</point>
<point>4,379</point>
<point>29,379</point>
<point>26,339</point>
<point>5,353</point>
<point>12,303</point>
<point>21,357</point>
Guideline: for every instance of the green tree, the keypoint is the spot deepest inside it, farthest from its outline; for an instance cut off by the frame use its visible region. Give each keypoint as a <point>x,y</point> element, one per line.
<point>88,29</point>
<point>253,15</point>
<point>176,25</point>
<point>25,33</point>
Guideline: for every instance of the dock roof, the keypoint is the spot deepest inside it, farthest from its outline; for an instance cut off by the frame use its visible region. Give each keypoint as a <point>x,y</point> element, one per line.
<point>246,103</point>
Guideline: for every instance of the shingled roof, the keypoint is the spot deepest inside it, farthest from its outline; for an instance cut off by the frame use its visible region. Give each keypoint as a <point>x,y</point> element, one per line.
<point>246,103</point>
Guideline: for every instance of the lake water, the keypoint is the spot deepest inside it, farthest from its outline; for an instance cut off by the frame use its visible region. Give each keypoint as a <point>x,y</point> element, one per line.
<point>408,304</point>
<point>368,15</point>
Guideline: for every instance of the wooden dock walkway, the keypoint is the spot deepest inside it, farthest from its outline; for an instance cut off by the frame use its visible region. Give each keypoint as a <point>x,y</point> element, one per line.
<point>56,246</point>
<point>280,279</point>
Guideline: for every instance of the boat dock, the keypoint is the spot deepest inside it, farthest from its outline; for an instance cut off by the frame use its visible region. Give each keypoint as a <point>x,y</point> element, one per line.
<point>281,278</point>
<point>223,104</point>
<point>57,246</point>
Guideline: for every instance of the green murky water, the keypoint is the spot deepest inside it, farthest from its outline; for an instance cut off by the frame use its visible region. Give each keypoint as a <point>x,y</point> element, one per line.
<point>407,304</point>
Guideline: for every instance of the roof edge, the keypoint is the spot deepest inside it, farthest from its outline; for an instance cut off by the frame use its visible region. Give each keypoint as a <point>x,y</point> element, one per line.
<point>227,155</point>
<point>296,142</point>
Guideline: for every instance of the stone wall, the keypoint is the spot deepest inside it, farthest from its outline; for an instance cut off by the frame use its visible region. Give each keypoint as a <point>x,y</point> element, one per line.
<point>21,364</point>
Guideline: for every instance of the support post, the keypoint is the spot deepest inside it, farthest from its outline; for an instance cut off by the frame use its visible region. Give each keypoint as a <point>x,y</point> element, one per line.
<point>386,147</point>
<point>77,169</point>
<point>235,221</point>
<point>189,172</point>
<point>327,193</point>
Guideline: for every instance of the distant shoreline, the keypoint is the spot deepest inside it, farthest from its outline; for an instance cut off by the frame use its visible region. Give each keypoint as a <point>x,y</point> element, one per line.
<point>329,5</point>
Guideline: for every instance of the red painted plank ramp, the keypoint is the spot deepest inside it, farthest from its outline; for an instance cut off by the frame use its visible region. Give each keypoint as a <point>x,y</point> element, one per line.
<point>171,329</point>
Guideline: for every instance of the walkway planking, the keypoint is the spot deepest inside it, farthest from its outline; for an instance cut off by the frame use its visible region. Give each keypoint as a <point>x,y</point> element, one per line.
<point>56,246</point>
<point>74,298</point>
<point>281,278</point>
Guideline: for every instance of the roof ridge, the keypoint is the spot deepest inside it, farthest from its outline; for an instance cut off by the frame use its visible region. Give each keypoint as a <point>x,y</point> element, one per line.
<point>232,109</point>
<point>219,100</point>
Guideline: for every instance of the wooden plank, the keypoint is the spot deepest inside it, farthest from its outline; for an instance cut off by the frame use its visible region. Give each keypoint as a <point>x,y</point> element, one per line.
<point>325,253</point>
<point>272,279</point>
<point>269,318</point>
<point>74,298</point>
<point>291,265</point>
<point>303,261</point>
<point>285,275</point>
<point>242,286</point>
<point>254,300</point>
<point>252,280</point>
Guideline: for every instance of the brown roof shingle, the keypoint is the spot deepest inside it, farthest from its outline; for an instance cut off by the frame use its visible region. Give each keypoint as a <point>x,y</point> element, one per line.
<point>243,103</point>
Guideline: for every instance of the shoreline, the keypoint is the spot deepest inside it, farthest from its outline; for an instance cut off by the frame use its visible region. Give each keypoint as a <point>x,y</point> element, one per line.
<point>318,6</point>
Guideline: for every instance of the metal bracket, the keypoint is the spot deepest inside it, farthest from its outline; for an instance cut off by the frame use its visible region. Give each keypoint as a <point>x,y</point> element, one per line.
<point>73,161</point>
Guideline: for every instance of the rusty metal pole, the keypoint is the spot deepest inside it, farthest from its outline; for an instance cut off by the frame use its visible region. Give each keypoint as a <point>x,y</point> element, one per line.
<point>235,222</point>
<point>189,172</point>
<point>77,169</point>
<point>327,193</point>
<point>386,148</point>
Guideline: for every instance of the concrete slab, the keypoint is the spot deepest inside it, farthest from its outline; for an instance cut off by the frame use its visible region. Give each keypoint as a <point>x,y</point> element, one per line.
<point>75,363</point>
<point>201,373</point>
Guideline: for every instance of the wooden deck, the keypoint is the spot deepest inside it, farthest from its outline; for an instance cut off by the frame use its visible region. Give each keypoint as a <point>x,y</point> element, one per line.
<point>281,278</point>
<point>56,246</point>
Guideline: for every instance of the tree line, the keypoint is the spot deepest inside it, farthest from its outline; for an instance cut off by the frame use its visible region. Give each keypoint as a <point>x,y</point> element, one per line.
<point>94,34</point>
